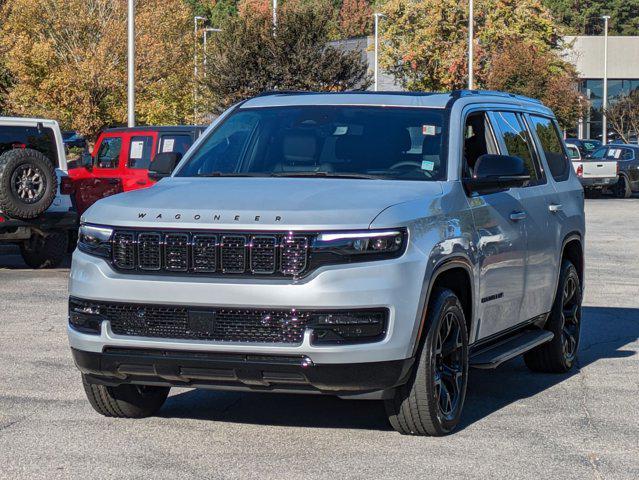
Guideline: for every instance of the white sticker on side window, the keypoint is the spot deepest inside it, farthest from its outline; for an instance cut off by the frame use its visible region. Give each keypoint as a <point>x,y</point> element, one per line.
<point>167,145</point>
<point>137,149</point>
<point>428,165</point>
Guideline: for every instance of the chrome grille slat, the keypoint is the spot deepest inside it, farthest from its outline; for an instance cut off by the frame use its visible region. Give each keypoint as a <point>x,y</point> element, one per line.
<point>124,250</point>
<point>294,254</point>
<point>263,254</point>
<point>149,251</point>
<point>233,253</point>
<point>176,253</point>
<point>204,253</point>
<point>213,253</point>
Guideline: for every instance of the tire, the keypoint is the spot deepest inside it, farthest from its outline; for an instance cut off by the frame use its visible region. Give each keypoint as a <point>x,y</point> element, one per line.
<point>45,251</point>
<point>125,401</point>
<point>418,407</point>
<point>622,188</point>
<point>560,354</point>
<point>28,183</point>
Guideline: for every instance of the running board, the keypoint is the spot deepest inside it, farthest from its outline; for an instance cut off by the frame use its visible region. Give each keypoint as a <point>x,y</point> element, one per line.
<point>496,354</point>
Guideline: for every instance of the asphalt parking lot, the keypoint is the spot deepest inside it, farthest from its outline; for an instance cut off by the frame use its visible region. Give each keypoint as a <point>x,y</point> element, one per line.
<point>516,424</point>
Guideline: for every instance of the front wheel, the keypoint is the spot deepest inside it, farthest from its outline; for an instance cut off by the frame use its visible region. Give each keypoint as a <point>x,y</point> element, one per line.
<point>45,251</point>
<point>125,401</point>
<point>431,402</point>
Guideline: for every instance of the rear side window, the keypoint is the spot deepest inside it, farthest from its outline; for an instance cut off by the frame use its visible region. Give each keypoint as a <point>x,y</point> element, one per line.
<point>573,152</point>
<point>42,140</point>
<point>140,151</point>
<point>514,136</point>
<point>175,143</point>
<point>109,152</point>
<point>552,146</point>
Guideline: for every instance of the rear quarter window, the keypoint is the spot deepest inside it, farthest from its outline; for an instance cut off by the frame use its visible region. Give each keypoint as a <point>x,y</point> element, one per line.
<point>552,147</point>
<point>40,139</point>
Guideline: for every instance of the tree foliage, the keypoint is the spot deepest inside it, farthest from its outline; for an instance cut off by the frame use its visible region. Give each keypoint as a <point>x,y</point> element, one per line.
<point>246,58</point>
<point>623,115</point>
<point>355,18</point>
<point>68,61</point>
<point>425,48</point>
<point>583,17</point>
<point>526,69</point>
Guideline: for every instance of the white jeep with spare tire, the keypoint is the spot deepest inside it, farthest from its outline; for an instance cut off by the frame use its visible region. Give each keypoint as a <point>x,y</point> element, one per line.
<point>36,207</point>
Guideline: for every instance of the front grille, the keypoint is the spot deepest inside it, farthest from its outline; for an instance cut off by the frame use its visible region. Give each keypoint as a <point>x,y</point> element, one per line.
<point>216,253</point>
<point>214,324</point>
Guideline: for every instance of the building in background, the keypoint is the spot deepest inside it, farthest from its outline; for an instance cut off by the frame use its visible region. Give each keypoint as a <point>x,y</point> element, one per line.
<point>587,54</point>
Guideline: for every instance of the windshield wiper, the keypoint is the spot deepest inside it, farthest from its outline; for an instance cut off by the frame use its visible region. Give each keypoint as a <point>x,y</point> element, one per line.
<point>325,175</point>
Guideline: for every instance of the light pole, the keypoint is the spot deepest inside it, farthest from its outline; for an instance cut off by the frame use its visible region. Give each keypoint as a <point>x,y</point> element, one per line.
<point>206,31</point>
<point>274,16</point>
<point>131,64</point>
<point>195,20</point>
<point>604,106</point>
<point>471,34</point>
<point>377,16</point>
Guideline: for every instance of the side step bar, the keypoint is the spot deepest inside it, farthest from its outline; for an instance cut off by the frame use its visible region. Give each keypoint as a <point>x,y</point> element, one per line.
<point>494,355</point>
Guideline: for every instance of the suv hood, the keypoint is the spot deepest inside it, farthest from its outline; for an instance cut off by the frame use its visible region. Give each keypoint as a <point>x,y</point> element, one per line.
<point>258,203</point>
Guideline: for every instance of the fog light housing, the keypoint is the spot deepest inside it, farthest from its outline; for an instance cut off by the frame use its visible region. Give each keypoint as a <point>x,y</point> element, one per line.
<point>343,327</point>
<point>84,317</point>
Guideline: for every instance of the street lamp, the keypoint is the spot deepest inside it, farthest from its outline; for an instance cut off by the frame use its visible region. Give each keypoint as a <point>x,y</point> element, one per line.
<point>604,119</point>
<point>377,16</point>
<point>195,20</point>
<point>206,31</point>
<point>471,27</point>
<point>131,64</point>
<point>274,16</point>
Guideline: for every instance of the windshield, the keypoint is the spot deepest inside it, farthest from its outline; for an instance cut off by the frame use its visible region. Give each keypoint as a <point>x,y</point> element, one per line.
<point>325,141</point>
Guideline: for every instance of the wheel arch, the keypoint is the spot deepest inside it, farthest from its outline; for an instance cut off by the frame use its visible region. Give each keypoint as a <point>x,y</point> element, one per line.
<point>573,250</point>
<point>456,274</point>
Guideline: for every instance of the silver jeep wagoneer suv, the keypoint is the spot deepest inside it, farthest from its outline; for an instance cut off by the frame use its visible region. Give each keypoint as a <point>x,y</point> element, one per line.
<point>369,246</point>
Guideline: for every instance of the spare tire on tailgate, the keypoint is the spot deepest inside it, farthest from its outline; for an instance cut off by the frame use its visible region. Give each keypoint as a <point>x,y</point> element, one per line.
<point>28,183</point>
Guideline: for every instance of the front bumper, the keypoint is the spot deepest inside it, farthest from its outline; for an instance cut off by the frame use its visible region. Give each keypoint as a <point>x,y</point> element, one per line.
<point>236,371</point>
<point>597,182</point>
<point>395,285</point>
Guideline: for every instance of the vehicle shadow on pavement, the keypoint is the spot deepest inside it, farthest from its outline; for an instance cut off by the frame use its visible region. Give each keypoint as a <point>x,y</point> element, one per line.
<point>10,259</point>
<point>604,334</point>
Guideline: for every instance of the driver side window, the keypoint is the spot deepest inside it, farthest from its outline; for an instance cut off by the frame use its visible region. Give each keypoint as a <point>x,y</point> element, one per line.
<point>478,141</point>
<point>109,152</point>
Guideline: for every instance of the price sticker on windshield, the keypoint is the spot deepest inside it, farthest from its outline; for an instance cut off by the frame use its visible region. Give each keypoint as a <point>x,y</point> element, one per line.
<point>429,130</point>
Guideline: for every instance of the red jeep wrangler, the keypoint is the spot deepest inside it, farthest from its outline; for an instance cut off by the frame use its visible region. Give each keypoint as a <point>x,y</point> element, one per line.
<point>121,159</point>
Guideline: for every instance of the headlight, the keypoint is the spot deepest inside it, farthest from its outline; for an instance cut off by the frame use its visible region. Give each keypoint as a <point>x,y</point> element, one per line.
<point>362,246</point>
<point>95,240</point>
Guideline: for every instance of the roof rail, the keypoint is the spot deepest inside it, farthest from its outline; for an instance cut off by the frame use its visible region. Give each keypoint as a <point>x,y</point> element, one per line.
<point>494,93</point>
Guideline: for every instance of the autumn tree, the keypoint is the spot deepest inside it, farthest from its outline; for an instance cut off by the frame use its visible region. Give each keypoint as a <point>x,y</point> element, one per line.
<point>355,18</point>
<point>68,61</point>
<point>526,69</point>
<point>247,58</point>
<point>623,115</point>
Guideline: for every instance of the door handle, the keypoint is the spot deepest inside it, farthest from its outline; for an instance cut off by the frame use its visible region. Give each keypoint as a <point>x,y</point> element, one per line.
<point>518,215</point>
<point>555,207</point>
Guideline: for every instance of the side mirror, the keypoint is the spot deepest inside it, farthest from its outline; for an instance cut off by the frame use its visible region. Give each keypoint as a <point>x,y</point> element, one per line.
<point>163,165</point>
<point>496,172</point>
<point>86,160</point>
<point>588,155</point>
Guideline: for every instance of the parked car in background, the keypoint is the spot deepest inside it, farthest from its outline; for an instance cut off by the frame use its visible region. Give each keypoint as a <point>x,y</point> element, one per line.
<point>369,246</point>
<point>36,208</point>
<point>73,139</point>
<point>595,176</point>
<point>121,159</point>
<point>584,145</point>
<point>627,159</point>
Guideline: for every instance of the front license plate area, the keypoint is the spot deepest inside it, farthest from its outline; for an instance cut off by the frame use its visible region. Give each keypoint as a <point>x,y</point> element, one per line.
<point>202,321</point>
